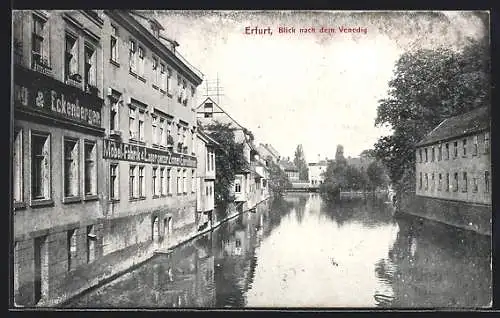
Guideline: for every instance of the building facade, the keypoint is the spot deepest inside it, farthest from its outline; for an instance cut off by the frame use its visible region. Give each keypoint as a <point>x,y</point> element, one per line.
<point>57,141</point>
<point>453,171</point>
<point>247,185</point>
<point>205,179</point>
<point>316,170</point>
<point>150,143</point>
<point>104,162</point>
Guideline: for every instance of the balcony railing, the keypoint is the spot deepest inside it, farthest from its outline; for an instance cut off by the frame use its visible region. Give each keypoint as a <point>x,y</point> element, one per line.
<point>74,80</point>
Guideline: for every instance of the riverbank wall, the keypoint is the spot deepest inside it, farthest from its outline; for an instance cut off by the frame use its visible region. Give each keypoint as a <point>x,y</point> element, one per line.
<point>123,260</point>
<point>468,216</point>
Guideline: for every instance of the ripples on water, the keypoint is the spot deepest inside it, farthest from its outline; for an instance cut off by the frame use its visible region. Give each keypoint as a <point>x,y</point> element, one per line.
<point>304,252</point>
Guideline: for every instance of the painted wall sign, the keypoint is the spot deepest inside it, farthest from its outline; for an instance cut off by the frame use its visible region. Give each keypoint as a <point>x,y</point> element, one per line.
<point>128,152</point>
<point>54,98</point>
<point>57,103</point>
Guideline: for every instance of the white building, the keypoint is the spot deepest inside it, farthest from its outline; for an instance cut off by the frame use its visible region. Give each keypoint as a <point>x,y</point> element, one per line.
<point>316,170</point>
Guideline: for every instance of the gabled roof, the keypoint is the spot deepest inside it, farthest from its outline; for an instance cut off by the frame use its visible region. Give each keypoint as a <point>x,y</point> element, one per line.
<point>464,124</point>
<point>209,140</point>
<point>215,104</point>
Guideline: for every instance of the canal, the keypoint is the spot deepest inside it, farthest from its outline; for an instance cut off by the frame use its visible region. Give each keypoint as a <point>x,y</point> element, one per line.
<point>305,252</point>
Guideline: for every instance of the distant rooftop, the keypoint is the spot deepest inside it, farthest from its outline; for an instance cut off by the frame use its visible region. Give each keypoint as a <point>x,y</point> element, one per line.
<point>473,121</point>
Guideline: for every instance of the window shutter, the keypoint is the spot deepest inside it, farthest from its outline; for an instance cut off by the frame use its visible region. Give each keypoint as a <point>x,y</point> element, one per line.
<point>93,73</point>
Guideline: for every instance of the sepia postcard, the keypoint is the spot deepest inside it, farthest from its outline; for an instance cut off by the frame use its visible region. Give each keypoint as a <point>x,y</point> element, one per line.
<point>166,159</point>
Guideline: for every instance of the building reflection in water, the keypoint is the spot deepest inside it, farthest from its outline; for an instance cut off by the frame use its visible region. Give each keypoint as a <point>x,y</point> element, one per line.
<point>305,252</point>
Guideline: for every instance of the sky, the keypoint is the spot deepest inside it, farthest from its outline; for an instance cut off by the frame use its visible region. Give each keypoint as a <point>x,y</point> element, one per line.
<point>315,89</point>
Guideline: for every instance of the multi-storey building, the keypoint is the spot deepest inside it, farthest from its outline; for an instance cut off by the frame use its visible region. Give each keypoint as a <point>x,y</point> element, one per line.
<point>291,171</point>
<point>205,179</point>
<point>247,181</point>
<point>104,157</point>
<point>316,170</point>
<point>58,130</point>
<point>453,171</point>
<point>149,149</point>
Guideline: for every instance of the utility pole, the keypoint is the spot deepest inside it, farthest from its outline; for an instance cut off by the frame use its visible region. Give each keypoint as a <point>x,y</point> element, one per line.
<point>216,91</point>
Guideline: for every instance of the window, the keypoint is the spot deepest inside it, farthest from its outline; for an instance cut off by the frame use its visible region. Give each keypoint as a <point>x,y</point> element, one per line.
<point>162,181</point>
<point>179,185</point>
<point>474,184</point>
<point>237,185</point>
<point>208,110</point>
<point>131,123</point>
<point>455,149</point>
<point>440,177</point>
<point>426,158</point>
<point>141,182</point>
<point>184,93</point>
<point>71,168</point>
<point>486,181</point>
<point>154,123</point>
<point>433,158</point>
<point>40,42</point>
<point>114,44</point>
<point>155,71</point>
<point>17,160</point>
<point>432,182</point>
<point>131,182</point>
<point>486,142</point>
<point>90,74</point>
<point>71,248</point>
<point>141,126</point>
<point>169,181</point>
<point>420,154</point>
<point>474,150</point>
<point>132,56</point>
<point>40,166</point>
<point>193,140</point>
<point>161,137</point>
<point>141,62</point>
<point>114,193</point>
<point>113,116</point>
<point>447,151</point>
<point>184,181</point>
<point>440,152</point>
<point>464,147</point>
<point>455,181</point>
<point>71,57</point>
<point>193,181</point>
<point>154,184</point>
<point>447,182</point>
<point>91,238</point>
<point>169,81</point>
<point>206,191</point>
<point>464,186</point>
<point>420,181</point>
<point>162,76</point>
<point>90,170</point>
<point>193,91</point>
<point>208,161</point>
<point>426,182</point>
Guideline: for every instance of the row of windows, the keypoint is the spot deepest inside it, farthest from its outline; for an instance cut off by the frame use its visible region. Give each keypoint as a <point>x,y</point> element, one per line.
<point>40,52</point>
<point>454,183</point>
<point>161,127</point>
<point>77,154</point>
<point>161,181</point>
<point>423,154</point>
<point>161,75</point>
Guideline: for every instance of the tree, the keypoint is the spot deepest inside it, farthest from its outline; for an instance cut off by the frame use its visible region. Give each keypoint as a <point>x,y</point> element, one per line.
<point>427,87</point>
<point>377,175</point>
<point>301,163</point>
<point>278,180</point>
<point>229,161</point>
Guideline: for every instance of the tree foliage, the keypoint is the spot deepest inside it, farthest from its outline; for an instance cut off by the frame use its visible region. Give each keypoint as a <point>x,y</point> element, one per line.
<point>278,180</point>
<point>427,87</point>
<point>301,163</point>
<point>229,161</point>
